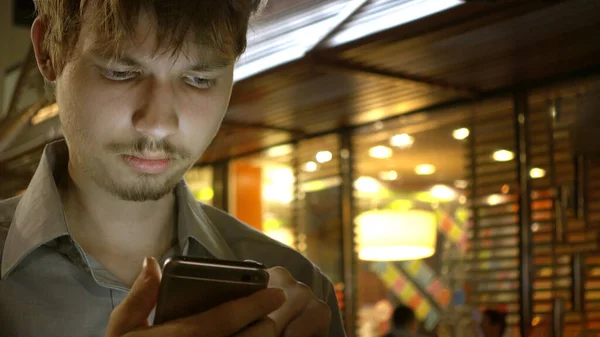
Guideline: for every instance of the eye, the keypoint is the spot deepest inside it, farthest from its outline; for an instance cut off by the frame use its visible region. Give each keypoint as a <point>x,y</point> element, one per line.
<point>116,75</point>
<point>199,82</point>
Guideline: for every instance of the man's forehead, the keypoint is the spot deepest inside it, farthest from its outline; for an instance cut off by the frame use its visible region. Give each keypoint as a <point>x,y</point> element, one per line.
<point>145,41</point>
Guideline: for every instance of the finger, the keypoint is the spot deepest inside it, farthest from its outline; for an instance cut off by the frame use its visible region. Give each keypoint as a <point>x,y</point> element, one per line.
<point>224,320</point>
<point>298,296</point>
<point>280,277</point>
<point>133,312</point>
<point>262,328</point>
<point>313,322</point>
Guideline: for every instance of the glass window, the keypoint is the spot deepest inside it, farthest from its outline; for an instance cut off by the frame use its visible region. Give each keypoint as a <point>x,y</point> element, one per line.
<point>200,181</point>
<point>410,187</point>
<point>261,192</point>
<point>319,216</point>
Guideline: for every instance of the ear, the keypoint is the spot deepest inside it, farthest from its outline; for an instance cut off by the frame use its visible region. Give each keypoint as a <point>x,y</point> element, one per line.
<point>38,30</point>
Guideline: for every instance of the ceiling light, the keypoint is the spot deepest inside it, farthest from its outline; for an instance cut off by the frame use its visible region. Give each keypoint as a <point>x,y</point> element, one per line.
<point>443,192</point>
<point>402,140</point>
<point>388,175</point>
<point>503,155</point>
<point>324,156</point>
<point>536,173</point>
<point>425,169</point>
<point>310,166</point>
<point>282,175</point>
<point>279,151</point>
<point>460,134</point>
<point>367,185</point>
<point>461,183</point>
<point>380,152</point>
<point>494,199</point>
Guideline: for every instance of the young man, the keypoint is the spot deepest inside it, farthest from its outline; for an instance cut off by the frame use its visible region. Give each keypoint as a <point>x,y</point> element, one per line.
<point>142,87</point>
<point>404,322</point>
<point>493,323</point>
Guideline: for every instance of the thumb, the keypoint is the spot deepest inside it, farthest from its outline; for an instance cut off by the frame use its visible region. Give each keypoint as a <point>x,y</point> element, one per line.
<point>133,312</point>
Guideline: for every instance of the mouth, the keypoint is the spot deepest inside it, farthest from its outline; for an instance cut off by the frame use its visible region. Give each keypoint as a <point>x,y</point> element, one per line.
<point>152,164</point>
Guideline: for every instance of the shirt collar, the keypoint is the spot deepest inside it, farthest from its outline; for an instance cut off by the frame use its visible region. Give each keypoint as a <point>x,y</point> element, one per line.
<point>39,217</point>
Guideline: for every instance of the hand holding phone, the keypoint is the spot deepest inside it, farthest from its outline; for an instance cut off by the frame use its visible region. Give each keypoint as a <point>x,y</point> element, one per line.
<point>241,317</point>
<point>193,285</point>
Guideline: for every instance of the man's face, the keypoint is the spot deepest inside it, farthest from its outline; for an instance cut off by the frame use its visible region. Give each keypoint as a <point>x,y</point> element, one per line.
<point>135,124</point>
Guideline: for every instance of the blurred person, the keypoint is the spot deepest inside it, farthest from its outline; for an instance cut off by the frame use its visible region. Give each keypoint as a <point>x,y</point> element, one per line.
<point>493,323</point>
<point>142,87</point>
<point>404,322</point>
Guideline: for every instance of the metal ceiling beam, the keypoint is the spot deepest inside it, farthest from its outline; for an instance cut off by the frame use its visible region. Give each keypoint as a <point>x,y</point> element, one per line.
<point>328,64</point>
<point>341,19</point>
<point>448,23</point>
<point>26,68</point>
<point>13,125</point>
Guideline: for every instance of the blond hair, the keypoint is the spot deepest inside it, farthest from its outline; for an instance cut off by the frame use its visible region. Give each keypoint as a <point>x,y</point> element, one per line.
<point>218,24</point>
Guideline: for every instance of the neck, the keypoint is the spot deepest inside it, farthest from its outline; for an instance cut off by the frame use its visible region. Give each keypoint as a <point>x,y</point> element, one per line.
<point>113,230</point>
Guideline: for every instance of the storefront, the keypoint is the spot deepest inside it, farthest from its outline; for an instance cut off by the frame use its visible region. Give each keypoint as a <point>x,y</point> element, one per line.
<point>453,174</point>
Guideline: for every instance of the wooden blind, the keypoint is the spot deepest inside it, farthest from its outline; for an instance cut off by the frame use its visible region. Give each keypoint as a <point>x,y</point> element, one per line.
<point>494,236</point>
<point>592,260</point>
<point>551,173</point>
<point>564,212</point>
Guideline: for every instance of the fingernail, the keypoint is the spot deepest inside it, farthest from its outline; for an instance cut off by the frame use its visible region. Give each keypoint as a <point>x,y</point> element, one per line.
<point>144,273</point>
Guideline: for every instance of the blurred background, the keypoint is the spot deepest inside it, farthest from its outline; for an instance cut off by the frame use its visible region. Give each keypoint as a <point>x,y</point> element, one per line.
<point>427,152</point>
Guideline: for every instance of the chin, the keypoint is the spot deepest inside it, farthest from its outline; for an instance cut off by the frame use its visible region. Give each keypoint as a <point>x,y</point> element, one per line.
<point>142,187</point>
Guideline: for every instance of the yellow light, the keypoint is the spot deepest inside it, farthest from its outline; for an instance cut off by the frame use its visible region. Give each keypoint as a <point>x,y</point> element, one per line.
<point>323,156</point>
<point>367,185</point>
<point>494,199</point>
<point>402,140</point>
<point>279,151</point>
<point>388,175</point>
<point>461,183</point>
<point>503,155</point>
<point>425,169</point>
<point>385,235</point>
<point>380,152</point>
<point>205,194</point>
<point>45,113</point>
<point>443,193</point>
<point>282,175</point>
<point>536,173</point>
<point>283,235</point>
<point>278,193</point>
<point>310,166</point>
<point>460,134</point>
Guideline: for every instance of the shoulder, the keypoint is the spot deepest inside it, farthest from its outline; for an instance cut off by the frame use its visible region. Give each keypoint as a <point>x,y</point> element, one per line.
<point>248,243</point>
<point>7,212</point>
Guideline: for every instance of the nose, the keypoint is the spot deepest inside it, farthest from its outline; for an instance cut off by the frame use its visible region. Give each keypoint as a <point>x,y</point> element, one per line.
<point>157,117</point>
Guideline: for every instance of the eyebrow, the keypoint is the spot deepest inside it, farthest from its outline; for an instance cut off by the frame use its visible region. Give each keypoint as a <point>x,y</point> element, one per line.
<point>213,63</point>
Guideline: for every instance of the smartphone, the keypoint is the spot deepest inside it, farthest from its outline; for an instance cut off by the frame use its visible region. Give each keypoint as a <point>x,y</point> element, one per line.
<point>192,285</point>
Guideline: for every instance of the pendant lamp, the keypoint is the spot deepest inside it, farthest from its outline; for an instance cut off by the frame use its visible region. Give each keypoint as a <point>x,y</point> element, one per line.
<point>390,235</point>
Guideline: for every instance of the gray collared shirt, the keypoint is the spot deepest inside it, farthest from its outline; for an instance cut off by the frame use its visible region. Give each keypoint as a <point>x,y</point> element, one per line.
<point>50,287</point>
